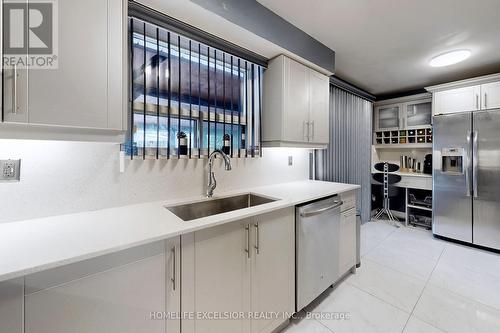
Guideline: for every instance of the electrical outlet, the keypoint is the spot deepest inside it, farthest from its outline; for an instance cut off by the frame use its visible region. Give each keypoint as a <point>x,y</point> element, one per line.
<point>290,160</point>
<point>10,170</point>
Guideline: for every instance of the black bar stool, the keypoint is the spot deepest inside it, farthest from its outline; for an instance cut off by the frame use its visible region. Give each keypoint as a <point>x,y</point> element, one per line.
<point>387,178</point>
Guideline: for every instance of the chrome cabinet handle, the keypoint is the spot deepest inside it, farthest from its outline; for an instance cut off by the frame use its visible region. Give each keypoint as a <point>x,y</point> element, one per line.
<point>247,234</point>
<point>477,101</point>
<point>174,268</point>
<point>474,163</point>
<point>305,126</point>
<point>14,101</point>
<point>468,165</point>
<point>322,210</point>
<point>257,238</point>
<point>485,100</point>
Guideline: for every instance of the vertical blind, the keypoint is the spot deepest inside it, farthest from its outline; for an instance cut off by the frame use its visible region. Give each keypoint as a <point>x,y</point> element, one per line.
<point>348,156</point>
<point>185,93</point>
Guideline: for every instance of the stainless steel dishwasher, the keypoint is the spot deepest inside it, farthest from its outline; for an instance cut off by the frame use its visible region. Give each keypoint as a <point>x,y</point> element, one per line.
<point>317,248</point>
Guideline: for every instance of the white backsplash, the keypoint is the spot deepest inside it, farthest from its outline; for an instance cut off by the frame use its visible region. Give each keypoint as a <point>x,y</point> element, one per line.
<point>68,177</point>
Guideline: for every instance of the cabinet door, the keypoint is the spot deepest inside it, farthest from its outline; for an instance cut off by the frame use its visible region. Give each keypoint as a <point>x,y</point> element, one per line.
<point>120,299</point>
<point>387,117</point>
<point>490,95</point>
<point>11,306</point>
<point>173,283</point>
<point>14,85</point>
<point>273,273</point>
<point>417,114</point>
<point>319,100</point>
<point>221,270</point>
<point>347,242</point>
<point>76,93</point>
<point>457,100</point>
<point>296,101</point>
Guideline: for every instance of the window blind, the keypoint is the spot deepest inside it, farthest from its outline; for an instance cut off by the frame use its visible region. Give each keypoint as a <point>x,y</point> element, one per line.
<point>188,98</point>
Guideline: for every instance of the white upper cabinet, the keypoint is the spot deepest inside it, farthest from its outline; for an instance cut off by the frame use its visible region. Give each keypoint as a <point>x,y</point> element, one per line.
<point>319,100</point>
<point>482,93</point>
<point>457,100</point>
<point>410,112</point>
<point>490,95</point>
<point>296,112</point>
<point>296,105</point>
<point>388,117</point>
<point>85,94</point>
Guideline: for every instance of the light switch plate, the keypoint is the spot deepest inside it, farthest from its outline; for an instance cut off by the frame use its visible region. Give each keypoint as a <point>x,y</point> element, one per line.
<point>10,170</point>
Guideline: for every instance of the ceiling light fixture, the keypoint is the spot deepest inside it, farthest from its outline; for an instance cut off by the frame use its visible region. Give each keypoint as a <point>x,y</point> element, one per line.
<point>449,58</point>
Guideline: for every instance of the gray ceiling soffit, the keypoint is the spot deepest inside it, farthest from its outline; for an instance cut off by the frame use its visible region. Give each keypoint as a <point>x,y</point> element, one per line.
<point>147,14</point>
<point>338,82</point>
<point>254,17</point>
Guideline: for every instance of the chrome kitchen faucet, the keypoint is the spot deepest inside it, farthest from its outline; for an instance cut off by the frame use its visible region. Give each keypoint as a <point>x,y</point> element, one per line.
<point>212,182</point>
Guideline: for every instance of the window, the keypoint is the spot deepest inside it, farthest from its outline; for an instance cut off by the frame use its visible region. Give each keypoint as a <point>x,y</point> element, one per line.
<point>188,98</point>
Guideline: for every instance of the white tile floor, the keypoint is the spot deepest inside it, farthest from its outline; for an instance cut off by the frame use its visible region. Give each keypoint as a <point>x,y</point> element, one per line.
<point>411,282</point>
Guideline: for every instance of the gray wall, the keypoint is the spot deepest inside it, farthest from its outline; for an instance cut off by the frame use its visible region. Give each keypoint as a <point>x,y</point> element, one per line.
<point>348,157</point>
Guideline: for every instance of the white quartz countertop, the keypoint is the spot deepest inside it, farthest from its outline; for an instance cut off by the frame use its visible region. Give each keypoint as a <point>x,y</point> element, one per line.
<point>34,245</point>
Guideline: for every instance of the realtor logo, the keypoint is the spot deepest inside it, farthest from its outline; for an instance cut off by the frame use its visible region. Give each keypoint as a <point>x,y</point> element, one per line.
<point>30,34</point>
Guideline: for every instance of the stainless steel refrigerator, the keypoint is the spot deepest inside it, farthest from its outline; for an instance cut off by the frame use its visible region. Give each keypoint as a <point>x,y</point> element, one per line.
<point>466,177</point>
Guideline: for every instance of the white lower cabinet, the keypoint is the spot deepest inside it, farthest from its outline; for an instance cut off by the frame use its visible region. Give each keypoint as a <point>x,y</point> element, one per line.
<point>273,269</point>
<point>124,292</point>
<point>347,240</point>
<point>11,306</point>
<point>245,267</point>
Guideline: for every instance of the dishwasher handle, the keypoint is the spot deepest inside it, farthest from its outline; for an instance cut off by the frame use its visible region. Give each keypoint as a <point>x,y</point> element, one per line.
<point>322,210</point>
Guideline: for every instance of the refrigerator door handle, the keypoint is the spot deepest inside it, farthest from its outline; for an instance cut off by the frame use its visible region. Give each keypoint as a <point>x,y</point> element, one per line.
<point>468,164</point>
<point>474,163</point>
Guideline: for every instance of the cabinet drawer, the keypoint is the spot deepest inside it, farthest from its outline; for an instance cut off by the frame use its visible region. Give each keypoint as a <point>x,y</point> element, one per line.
<point>349,200</point>
<point>424,183</point>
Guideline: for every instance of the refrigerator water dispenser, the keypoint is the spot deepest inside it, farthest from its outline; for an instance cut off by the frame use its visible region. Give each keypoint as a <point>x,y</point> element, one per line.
<point>452,160</point>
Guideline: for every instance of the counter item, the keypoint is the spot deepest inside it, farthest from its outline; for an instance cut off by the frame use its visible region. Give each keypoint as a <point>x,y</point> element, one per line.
<point>428,164</point>
<point>226,146</point>
<point>183,143</point>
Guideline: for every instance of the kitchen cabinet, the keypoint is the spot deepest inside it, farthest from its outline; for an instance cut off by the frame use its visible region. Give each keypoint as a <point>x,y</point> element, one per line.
<point>273,268</point>
<point>388,117</point>
<point>405,113</point>
<point>11,306</point>
<point>404,121</point>
<point>86,93</point>
<point>319,99</point>
<point>246,266</point>
<point>490,95</point>
<point>457,100</point>
<point>296,105</point>
<point>481,93</point>
<point>113,293</point>
<point>216,277</point>
<point>417,114</point>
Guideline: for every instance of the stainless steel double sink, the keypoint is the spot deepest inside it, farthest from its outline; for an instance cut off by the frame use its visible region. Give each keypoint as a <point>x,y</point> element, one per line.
<point>209,207</point>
